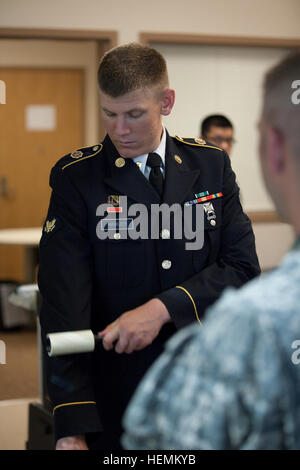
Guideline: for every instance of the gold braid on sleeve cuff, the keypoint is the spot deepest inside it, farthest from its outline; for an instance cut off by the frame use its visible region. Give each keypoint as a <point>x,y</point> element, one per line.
<point>192,300</point>
<point>74,403</point>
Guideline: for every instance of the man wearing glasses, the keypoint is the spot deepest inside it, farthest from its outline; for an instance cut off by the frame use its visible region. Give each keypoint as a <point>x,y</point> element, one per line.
<point>218,130</point>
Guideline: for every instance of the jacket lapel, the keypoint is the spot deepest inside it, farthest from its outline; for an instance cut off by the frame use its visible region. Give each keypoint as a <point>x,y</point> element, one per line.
<point>128,179</point>
<point>179,179</point>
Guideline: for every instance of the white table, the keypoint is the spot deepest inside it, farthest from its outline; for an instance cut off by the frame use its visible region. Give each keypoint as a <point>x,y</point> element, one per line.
<point>29,238</point>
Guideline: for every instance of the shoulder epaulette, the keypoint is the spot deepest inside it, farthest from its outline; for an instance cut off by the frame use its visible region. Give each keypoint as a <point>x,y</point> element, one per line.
<point>79,155</point>
<point>196,142</point>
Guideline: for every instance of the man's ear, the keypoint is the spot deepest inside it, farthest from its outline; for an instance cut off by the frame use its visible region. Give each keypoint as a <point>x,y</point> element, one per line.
<point>276,154</point>
<point>167,102</point>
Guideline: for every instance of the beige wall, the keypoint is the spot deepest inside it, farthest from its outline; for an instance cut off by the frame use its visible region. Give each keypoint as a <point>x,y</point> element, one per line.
<point>223,80</point>
<point>274,18</point>
<point>265,18</point>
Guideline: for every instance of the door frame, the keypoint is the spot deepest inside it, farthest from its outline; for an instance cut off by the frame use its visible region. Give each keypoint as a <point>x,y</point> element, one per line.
<point>214,40</point>
<point>105,40</point>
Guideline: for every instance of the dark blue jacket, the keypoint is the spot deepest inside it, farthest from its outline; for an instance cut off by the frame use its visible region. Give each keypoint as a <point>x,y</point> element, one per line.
<point>87,282</point>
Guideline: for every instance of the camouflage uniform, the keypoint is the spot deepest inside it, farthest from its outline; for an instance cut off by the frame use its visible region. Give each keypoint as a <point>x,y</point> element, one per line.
<point>233,383</point>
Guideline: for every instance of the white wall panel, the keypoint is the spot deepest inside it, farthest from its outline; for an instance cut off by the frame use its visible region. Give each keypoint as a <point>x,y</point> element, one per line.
<point>223,80</point>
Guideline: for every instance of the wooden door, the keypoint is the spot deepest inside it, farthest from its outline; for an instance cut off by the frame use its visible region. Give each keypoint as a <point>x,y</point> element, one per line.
<point>32,139</point>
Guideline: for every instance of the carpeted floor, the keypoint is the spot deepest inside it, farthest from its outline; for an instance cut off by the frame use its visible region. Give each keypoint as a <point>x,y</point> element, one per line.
<point>19,377</point>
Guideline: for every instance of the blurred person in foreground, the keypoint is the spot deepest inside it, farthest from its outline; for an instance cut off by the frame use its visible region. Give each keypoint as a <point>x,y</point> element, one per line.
<point>218,130</point>
<point>234,383</point>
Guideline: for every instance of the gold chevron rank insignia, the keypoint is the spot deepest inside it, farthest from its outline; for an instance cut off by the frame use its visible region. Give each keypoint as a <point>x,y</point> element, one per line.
<point>50,225</point>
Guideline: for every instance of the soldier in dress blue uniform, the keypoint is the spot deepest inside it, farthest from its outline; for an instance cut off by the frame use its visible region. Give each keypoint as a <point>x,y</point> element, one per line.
<point>134,291</point>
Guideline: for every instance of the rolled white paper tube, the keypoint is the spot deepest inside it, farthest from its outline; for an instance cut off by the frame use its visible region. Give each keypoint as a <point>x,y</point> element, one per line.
<point>70,342</point>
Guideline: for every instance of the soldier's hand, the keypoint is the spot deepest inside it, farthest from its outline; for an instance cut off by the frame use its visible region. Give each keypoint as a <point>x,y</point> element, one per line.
<point>71,443</point>
<point>135,329</point>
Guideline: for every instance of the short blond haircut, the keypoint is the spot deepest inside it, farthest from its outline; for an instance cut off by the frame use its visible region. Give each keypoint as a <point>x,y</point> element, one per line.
<point>280,108</point>
<point>131,67</point>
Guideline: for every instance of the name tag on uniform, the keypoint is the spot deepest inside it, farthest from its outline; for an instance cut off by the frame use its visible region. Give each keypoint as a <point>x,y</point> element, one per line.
<point>116,224</point>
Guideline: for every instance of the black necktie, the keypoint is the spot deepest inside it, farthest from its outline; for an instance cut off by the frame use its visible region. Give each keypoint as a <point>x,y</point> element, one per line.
<point>156,177</point>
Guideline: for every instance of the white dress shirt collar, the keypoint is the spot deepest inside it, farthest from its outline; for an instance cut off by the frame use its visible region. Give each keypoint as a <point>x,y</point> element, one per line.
<point>160,150</point>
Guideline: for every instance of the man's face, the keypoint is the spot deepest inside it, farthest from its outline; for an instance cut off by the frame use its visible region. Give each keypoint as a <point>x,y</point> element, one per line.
<point>133,121</point>
<point>221,136</point>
